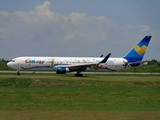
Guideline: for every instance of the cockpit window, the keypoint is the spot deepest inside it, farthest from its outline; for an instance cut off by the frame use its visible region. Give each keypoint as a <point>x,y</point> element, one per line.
<point>12,60</point>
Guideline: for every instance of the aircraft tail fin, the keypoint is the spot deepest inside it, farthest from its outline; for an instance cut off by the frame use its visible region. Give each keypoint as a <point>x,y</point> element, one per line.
<point>137,52</point>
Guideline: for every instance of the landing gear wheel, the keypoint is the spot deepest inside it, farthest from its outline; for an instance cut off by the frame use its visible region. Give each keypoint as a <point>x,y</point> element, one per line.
<point>78,75</point>
<point>18,73</point>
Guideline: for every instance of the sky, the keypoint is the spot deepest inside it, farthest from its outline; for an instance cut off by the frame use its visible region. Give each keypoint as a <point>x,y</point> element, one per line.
<point>77,28</point>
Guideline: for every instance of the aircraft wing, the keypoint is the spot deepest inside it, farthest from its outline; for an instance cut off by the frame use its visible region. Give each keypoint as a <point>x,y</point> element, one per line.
<point>84,65</point>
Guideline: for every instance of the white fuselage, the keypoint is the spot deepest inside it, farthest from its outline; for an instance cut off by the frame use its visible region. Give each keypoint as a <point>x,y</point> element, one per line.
<point>50,63</point>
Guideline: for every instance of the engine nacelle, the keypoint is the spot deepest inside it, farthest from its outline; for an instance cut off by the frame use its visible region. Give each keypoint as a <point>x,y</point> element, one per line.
<point>61,70</point>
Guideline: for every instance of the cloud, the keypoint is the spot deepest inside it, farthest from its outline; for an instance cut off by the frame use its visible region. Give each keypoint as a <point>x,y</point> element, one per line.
<point>71,26</point>
<point>44,32</point>
<point>145,28</point>
<point>43,27</point>
<point>4,14</point>
<point>129,27</point>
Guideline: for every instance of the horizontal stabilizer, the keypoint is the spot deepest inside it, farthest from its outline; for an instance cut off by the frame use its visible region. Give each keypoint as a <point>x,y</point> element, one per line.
<point>133,63</point>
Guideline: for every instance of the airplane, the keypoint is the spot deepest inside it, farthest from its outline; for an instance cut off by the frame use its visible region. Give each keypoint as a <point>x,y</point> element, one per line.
<point>62,65</point>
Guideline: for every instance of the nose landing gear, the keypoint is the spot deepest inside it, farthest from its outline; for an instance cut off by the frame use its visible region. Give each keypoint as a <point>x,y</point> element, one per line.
<point>18,73</point>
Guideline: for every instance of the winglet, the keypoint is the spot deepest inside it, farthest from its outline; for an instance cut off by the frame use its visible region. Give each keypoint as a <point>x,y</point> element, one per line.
<point>105,59</point>
<point>101,56</point>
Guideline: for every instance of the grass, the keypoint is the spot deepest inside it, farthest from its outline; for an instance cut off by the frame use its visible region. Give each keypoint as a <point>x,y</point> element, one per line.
<point>90,97</point>
<point>77,115</point>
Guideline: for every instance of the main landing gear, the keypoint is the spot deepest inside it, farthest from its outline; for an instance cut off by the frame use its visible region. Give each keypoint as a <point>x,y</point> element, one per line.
<point>78,74</point>
<point>18,73</point>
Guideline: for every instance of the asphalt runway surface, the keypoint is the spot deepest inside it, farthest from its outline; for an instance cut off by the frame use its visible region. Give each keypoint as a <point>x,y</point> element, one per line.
<point>82,72</point>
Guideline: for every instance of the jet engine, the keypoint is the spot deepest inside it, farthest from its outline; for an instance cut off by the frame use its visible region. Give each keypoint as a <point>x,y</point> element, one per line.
<point>61,70</point>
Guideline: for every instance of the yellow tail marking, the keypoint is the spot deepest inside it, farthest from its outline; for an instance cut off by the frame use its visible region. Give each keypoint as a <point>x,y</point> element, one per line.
<point>140,50</point>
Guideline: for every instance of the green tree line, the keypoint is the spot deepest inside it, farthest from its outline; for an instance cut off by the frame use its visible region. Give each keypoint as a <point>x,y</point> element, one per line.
<point>3,65</point>
<point>152,67</point>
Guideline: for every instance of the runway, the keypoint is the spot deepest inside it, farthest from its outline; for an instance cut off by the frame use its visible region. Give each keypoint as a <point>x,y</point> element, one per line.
<point>47,72</point>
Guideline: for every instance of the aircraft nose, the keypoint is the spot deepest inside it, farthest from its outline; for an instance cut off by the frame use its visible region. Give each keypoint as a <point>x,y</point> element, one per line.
<point>9,64</point>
